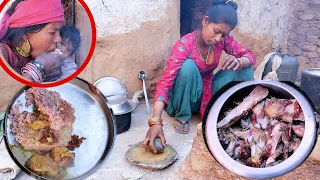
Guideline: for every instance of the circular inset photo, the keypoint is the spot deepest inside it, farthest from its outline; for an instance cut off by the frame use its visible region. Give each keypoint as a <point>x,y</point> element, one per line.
<point>45,43</point>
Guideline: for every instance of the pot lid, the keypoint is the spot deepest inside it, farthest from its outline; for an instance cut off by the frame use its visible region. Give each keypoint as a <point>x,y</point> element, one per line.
<point>113,89</point>
<point>312,71</point>
<point>115,93</point>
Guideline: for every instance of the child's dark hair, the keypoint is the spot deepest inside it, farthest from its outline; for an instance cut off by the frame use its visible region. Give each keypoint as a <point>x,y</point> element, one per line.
<point>223,11</point>
<point>73,34</point>
<point>14,35</point>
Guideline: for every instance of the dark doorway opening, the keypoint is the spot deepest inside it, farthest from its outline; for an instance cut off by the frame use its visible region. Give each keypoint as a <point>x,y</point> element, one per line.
<point>191,14</point>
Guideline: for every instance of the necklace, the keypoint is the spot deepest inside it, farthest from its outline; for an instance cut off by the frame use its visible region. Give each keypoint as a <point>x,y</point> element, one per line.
<point>205,60</point>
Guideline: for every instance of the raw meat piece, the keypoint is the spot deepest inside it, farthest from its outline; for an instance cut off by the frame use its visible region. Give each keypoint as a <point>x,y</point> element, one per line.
<point>259,117</point>
<point>232,144</point>
<point>246,123</point>
<point>243,151</point>
<point>283,109</point>
<point>240,134</point>
<point>273,157</point>
<point>273,140</point>
<point>256,96</point>
<point>294,145</point>
<point>286,136</point>
<point>298,130</point>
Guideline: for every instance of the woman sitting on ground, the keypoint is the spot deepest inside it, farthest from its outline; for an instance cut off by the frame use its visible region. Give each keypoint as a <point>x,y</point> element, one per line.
<point>188,83</point>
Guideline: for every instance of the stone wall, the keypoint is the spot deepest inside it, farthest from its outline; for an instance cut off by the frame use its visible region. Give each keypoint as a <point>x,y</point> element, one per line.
<point>292,26</point>
<point>304,37</point>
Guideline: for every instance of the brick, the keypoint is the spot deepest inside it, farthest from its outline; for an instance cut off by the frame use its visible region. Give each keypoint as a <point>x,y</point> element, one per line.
<point>302,59</point>
<point>301,30</point>
<point>309,48</point>
<point>292,42</point>
<point>313,55</point>
<point>295,50</point>
<point>313,39</point>
<point>314,31</point>
<point>292,36</point>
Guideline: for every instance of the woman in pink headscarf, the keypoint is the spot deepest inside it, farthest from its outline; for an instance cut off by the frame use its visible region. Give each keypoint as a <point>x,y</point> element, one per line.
<point>29,33</point>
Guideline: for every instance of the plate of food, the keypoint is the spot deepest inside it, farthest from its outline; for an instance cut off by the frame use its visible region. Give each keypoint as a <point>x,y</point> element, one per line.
<point>260,129</point>
<point>64,132</point>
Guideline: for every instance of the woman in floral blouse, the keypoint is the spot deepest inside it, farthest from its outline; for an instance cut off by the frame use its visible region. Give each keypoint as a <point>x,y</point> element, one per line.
<point>187,82</point>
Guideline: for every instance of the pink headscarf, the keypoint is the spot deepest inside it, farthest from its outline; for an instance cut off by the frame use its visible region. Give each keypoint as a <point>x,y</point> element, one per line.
<point>32,12</point>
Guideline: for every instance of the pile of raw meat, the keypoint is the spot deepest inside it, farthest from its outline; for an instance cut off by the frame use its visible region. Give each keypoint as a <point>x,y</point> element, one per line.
<point>262,131</point>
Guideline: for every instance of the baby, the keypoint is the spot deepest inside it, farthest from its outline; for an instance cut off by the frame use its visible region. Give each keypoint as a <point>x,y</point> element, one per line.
<point>71,40</point>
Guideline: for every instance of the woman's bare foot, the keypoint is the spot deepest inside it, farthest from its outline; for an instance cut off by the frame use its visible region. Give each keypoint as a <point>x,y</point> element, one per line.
<point>181,127</point>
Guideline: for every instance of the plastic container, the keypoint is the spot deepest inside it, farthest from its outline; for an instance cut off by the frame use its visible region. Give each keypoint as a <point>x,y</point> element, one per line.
<point>288,69</point>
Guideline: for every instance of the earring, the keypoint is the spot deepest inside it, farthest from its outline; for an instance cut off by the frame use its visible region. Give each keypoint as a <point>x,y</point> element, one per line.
<point>25,49</point>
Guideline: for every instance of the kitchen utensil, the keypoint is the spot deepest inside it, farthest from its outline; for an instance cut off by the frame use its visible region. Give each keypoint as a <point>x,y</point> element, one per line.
<point>310,84</point>
<point>94,121</point>
<point>116,96</point>
<point>138,155</point>
<point>143,77</point>
<point>237,92</point>
<point>115,93</point>
<point>111,86</point>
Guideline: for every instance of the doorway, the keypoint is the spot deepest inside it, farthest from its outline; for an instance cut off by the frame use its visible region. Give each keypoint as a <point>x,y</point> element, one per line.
<point>191,14</point>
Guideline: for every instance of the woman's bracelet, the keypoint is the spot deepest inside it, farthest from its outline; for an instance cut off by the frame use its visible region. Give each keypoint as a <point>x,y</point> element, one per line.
<point>155,121</point>
<point>33,71</point>
<point>39,66</point>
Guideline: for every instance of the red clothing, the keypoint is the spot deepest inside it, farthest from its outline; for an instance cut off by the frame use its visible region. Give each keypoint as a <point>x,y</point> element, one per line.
<point>186,48</point>
<point>15,60</point>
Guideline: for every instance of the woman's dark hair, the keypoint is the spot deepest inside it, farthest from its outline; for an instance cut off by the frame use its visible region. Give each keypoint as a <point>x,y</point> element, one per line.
<point>14,35</point>
<point>73,34</point>
<point>223,11</point>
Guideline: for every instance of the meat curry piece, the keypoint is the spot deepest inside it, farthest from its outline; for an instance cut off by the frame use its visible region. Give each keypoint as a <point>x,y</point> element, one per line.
<point>62,157</point>
<point>42,165</point>
<point>75,142</point>
<point>38,124</point>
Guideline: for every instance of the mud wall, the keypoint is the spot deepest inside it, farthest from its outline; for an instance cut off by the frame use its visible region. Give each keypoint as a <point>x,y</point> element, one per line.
<point>131,38</point>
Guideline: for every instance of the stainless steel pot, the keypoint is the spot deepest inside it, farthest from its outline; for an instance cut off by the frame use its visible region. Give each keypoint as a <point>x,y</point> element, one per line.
<point>239,91</point>
<point>116,95</point>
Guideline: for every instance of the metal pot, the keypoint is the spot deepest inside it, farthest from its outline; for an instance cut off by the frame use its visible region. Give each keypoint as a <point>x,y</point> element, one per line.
<point>238,92</point>
<point>310,84</point>
<point>115,94</point>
